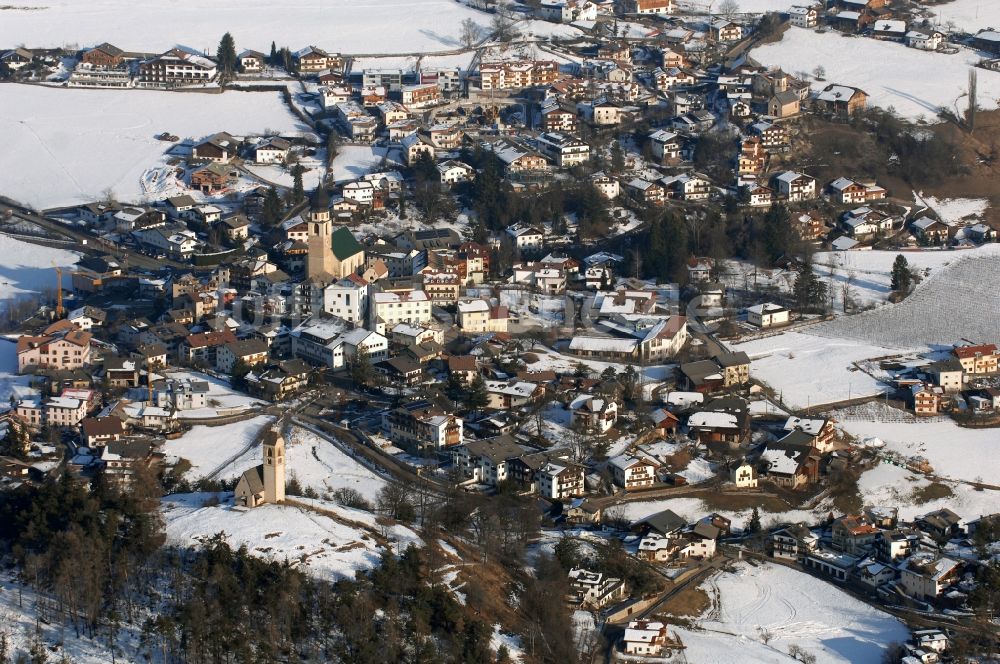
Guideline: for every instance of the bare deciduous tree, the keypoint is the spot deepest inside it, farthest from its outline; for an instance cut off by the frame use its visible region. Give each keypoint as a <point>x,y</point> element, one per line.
<point>470,33</point>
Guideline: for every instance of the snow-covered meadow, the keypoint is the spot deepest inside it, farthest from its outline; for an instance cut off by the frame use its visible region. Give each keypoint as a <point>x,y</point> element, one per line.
<point>337,545</point>
<point>316,464</point>
<point>353,161</point>
<point>399,26</point>
<point>27,267</point>
<point>915,83</point>
<point>794,609</point>
<point>207,448</point>
<point>968,15</point>
<point>66,146</point>
<point>953,451</point>
<point>806,369</point>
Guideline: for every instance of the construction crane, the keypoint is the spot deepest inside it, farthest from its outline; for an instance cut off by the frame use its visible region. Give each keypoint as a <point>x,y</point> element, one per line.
<point>59,292</point>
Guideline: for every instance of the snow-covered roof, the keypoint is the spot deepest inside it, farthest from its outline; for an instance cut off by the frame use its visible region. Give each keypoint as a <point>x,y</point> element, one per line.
<point>713,420</point>
<point>778,461</point>
<point>765,308</point>
<point>603,344</point>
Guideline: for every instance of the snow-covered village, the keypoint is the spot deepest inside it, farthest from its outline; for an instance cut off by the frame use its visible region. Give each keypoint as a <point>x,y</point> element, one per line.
<point>500,331</point>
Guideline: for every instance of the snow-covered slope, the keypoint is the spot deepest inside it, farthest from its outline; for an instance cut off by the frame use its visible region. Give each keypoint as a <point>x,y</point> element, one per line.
<point>916,83</point>
<point>66,146</point>
<point>349,26</point>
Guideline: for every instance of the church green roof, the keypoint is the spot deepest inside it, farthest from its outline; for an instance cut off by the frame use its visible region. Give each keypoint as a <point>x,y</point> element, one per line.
<point>344,244</point>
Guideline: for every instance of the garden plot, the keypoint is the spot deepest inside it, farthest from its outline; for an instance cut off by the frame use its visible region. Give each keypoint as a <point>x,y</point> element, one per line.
<point>958,302</point>
<point>793,608</point>
<point>347,26</point>
<point>67,146</point>
<point>692,509</point>
<point>221,397</point>
<point>953,211</point>
<point>915,83</point>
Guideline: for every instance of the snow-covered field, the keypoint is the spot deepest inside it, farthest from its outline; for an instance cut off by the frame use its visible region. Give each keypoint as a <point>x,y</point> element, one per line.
<point>953,451</point>
<point>319,543</point>
<point>959,302</point>
<point>745,6</point>
<point>795,609</point>
<point>315,463</point>
<point>220,396</point>
<point>66,146</point>
<point>28,267</point>
<point>808,370</point>
<point>890,485</point>
<point>353,161</point>
<point>870,272</point>
<point>399,26</point>
<point>955,210</point>
<point>12,385</point>
<point>914,82</point>
<point>692,509</point>
<point>968,15</point>
<point>207,448</point>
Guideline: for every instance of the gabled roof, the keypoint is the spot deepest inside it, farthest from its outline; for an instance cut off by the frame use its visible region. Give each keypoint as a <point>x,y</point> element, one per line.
<point>345,244</point>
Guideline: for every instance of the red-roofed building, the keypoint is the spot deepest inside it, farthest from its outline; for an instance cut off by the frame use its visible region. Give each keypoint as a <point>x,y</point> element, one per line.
<point>975,360</point>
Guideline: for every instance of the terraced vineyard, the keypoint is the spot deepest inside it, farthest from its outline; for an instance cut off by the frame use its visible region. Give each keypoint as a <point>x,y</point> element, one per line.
<point>961,301</point>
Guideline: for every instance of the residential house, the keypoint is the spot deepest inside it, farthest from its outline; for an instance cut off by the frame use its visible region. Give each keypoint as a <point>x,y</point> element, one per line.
<point>592,414</point>
<point>842,100</point>
<point>67,348</point>
<point>646,638</point>
<point>853,534</point>
<point>631,472</point>
<point>594,589</point>
<point>726,31</point>
<point>558,480</point>
<point>803,16</point>
<point>767,315</point>
<point>478,316</point>
<point>795,187</point>
<point>927,576</point>
<point>249,353</point>
<point>977,360</point>
<point>420,425</point>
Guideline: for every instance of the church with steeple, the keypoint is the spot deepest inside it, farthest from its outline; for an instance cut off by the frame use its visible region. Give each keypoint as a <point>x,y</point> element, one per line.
<point>332,254</point>
<point>265,483</point>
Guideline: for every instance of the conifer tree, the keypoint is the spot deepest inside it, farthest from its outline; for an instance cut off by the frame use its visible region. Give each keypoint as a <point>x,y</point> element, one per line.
<point>226,56</point>
<point>902,279</point>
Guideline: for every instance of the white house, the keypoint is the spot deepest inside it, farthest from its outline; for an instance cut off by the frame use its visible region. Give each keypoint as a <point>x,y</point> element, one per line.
<point>559,480</point>
<point>452,172</point>
<point>390,308</point>
<point>925,41</point>
<point>479,316</point>
<point>743,475</point>
<point>526,237</point>
<point>795,187</point>
<point>592,413</point>
<point>803,17</point>
<point>645,637</point>
<point>347,299</point>
<point>273,151</point>
<point>767,315</point>
<point>631,472</point>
